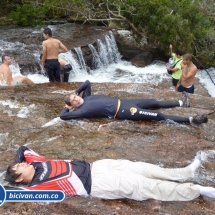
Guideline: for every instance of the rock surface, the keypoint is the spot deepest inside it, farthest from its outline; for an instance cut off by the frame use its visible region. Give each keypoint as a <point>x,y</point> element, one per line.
<point>165,144</point>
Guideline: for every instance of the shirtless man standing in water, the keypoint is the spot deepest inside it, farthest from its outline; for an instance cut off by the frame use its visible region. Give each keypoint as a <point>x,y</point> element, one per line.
<point>189,71</point>
<point>51,48</point>
<point>6,74</point>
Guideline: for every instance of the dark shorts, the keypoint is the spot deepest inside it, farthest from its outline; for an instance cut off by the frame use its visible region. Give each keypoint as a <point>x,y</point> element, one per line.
<point>189,90</point>
<point>52,67</point>
<point>174,82</point>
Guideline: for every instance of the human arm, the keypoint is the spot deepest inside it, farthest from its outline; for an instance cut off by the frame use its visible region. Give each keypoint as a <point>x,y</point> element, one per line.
<point>68,115</point>
<point>7,74</point>
<point>170,49</point>
<point>176,67</point>
<point>44,54</point>
<point>63,48</point>
<point>179,81</point>
<point>85,88</point>
<point>188,73</point>
<point>20,154</point>
<point>172,69</point>
<point>25,154</point>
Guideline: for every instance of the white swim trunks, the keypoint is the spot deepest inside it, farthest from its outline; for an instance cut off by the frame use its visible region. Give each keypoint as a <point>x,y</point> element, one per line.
<point>18,81</point>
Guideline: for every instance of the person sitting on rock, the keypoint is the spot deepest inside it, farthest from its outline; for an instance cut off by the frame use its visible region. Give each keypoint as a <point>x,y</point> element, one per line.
<point>6,74</point>
<point>94,106</point>
<point>106,179</point>
<point>65,69</point>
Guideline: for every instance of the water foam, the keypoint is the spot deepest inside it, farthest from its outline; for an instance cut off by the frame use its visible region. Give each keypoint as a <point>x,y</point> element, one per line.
<point>206,81</point>
<point>55,121</point>
<point>3,138</point>
<point>22,113</point>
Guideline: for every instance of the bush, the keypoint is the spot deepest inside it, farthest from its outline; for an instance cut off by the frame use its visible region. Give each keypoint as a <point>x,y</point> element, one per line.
<point>28,14</point>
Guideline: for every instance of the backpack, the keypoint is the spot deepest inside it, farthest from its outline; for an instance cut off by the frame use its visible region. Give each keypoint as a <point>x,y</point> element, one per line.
<point>172,64</point>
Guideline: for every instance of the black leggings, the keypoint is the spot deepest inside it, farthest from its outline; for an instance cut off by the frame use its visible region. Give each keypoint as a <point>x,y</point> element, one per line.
<point>137,109</point>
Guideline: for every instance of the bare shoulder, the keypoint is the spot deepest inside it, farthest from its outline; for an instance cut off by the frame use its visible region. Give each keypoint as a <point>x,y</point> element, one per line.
<point>194,68</point>
<point>44,42</point>
<point>4,69</point>
<point>57,41</point>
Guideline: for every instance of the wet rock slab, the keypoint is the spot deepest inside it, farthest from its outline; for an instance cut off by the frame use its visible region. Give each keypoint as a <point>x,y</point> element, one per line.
<point>29,116</point>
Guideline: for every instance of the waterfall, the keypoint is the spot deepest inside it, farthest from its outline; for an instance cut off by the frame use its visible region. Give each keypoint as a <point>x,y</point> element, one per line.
<point>109,49</point>
<point>70,58</point>
<point>116,54</point>
<point>81,58</point>
<point>96,62</point>
<point>107,52</point>
<point>102,53</point>
<point>102,56</point>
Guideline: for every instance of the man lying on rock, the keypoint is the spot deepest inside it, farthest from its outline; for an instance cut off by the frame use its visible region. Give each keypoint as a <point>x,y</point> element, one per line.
<point>94,106</point>
<point>106,179</point>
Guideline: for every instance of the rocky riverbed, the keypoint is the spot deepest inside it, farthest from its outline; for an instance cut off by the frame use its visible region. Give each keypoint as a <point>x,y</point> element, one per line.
<point>29,115</point>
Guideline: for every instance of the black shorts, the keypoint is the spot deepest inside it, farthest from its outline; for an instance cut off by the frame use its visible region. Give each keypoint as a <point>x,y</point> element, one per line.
<point>189,90</point>
<point>52,67</point>
<point>174,82</point>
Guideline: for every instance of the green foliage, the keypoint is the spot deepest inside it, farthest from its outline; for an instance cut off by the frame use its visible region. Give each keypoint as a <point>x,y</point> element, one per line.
<point>187,24</point>
<point>28,14</point>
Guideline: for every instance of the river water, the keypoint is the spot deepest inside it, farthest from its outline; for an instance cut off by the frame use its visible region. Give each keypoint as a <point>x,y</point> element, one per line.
<point>109,66</point>
<point>123,72</point>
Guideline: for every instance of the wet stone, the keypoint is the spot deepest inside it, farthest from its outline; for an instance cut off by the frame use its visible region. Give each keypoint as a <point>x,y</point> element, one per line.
<point>30,116</point>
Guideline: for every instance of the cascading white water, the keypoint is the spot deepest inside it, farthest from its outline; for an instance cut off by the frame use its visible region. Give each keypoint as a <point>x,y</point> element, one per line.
<point>96,62</point>
<point>116,55</point>
<point>108,66</point>
<point>110,55</point>
<point>102,53</point>
<point>81,59</point>
<point>76,68</point>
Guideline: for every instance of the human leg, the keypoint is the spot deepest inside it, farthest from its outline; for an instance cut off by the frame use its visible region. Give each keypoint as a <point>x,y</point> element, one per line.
<point>174,82</point>
<point>67,69</point>
<point>49,70</point>
<point>132,112</point>
<point>185,100</point>
<point>56,71</point>
<point>155,172</point>
<point>150,103</point>
<point>26,80</point>
<point>16,80</point>
<point>110,181</point>
<point>65,72</point>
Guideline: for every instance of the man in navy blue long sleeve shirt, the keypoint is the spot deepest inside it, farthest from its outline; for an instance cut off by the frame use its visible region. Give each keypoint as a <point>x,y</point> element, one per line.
<point>96,106</point>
